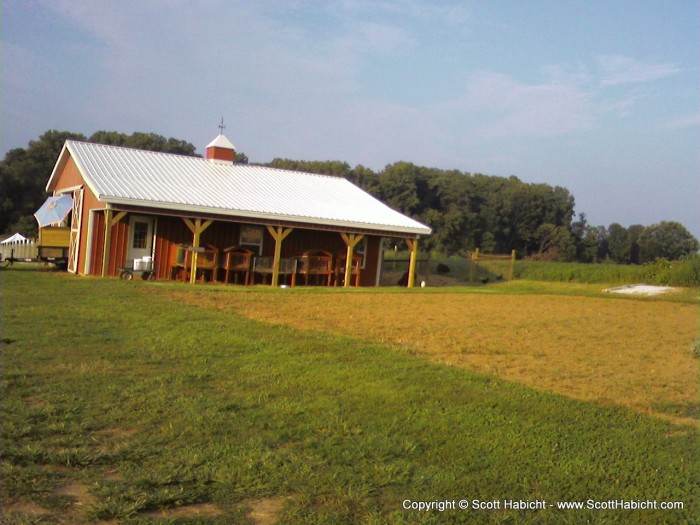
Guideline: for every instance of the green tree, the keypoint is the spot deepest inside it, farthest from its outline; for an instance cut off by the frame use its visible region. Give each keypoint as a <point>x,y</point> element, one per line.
<point>635,232</point>
<point>323,167</point>
<point>240,158</point>
<point>619,243</point>
<point>669,240</point>
<point>587,239</point>
<point>23,177</point>
<point>145,141</point>
<point>365,178</point>
<point>526,207</point>
<point>556,243</point>
<point>397,187</point>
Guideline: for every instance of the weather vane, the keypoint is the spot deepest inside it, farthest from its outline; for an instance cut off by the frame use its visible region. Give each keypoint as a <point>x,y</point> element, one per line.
<point>221,126</point>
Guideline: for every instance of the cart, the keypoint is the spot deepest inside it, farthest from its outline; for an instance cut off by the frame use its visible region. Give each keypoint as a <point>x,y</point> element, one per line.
<point>143,268</point>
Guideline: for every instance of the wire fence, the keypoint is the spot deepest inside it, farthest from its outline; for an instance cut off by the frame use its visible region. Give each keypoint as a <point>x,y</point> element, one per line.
<point>476,269</point>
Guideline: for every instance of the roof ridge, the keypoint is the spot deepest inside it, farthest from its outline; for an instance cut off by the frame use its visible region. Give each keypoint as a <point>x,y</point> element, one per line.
<point>199,157</point>
<point>254,165</point>
<point>130,148</point>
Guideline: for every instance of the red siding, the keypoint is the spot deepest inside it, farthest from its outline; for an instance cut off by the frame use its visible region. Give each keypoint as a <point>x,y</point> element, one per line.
<point>217,153</point>
<point>69,177</point>
<point>120,244</point>
<point>368,277</point>
<point>98,239</point>
<point>170,231</point>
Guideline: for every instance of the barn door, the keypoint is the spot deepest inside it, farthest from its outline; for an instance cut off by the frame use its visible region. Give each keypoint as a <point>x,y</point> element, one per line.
<point>76,216</point>
<point>140,237</point>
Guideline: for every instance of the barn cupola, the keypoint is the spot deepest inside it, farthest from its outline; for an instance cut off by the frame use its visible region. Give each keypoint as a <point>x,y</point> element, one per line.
<point>220,150</point>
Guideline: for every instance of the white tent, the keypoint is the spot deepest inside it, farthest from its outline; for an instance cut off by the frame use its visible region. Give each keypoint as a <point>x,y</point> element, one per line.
<point>16,238</point>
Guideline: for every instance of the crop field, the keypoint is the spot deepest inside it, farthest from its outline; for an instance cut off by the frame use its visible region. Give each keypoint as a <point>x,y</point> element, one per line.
<point>161,403</point>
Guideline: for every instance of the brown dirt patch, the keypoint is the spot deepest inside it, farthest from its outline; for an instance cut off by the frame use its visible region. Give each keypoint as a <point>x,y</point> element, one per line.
<point>111,440</point>
<point>630,353</point>
<point>199,510</point>
<point>79,493</point>
<point>27,509</point>
<point>113,475</point>
<point>116,433</point>
<point>265,511</point>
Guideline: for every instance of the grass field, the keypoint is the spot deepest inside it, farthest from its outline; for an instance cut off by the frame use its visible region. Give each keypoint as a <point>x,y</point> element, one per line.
<point>629,352</point>
<point>135,402</point>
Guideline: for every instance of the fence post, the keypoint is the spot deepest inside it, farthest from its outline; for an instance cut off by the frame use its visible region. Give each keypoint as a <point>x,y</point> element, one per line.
<point>472,267</point>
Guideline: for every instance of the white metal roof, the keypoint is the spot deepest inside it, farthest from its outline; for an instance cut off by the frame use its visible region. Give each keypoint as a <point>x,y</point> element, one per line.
<point>221,142</point>
<point>119,175</point>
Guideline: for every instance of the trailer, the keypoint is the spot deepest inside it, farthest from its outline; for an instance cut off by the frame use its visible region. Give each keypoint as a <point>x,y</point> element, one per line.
<point>52,247</point>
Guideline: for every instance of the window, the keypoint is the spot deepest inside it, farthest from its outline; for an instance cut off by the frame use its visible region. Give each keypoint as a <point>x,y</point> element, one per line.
<point>252,236</point>
<point>140,235</point>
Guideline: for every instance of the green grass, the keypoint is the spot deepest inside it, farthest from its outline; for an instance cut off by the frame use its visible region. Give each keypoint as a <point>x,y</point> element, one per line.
<point>153,404</point>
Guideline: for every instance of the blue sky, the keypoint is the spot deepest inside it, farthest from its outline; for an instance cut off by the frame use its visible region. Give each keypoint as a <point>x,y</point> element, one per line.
<point>600,97</point>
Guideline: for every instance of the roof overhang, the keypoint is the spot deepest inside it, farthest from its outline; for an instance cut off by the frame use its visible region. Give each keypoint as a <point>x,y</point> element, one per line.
<point>60,163</point>
<point>226,213</point>
<point>63,158</point>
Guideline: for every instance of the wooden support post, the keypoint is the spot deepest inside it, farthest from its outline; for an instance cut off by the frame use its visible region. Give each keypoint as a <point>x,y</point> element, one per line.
<point>413,247</point>
<point>351,241</point>
<point>110,221</point>
<point>197,228</point>
<point>474,262</point>
<point>279,233</point>
<point>512,265</point>
<point>108,241</point>
<point>195,254</point>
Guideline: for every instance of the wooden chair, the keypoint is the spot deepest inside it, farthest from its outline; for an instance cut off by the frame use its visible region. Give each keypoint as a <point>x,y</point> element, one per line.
<point>339,270</point>
<point>237,261</point>
<point>316,263</point>
<point>178,262</point>
<point>207,261</point>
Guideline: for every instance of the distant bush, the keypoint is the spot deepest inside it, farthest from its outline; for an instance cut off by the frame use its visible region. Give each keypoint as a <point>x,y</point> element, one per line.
<point>684,272</point>
<point>579,272</point>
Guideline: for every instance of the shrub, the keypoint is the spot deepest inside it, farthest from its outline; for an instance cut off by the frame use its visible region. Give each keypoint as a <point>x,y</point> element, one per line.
<point>695,348</point>
<point>687,271</point>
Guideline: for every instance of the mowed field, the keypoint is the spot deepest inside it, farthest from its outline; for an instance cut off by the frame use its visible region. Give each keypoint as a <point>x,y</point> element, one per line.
<point>631,352</point>
<point>152,403</point>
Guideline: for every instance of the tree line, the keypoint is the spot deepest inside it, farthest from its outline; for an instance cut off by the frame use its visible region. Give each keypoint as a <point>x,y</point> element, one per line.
<point>466,211</point>
<point>501,214</point>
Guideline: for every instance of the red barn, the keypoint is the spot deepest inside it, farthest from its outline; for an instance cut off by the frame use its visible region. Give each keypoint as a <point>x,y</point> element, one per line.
<point>210,219</point>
